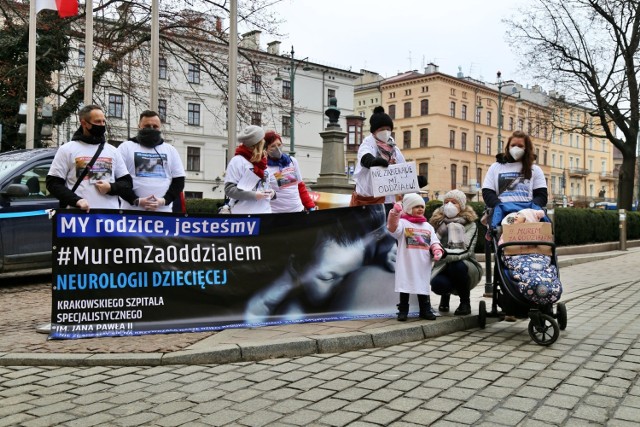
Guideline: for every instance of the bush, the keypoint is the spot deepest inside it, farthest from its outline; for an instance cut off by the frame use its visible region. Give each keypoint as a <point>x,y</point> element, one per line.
<point>204,206</point>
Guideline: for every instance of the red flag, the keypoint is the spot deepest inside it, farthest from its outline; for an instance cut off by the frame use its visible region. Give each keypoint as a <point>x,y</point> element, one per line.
<point>65,8</point>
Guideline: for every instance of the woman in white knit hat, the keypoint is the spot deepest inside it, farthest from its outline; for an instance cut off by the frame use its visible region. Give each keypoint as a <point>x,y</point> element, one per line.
<point>458,272</point>
<point>247,182</point>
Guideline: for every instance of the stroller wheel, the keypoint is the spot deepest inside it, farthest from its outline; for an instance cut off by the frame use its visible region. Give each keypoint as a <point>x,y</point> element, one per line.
<point>561,315</point>
<point>482,314</point>
<point>543,329</point>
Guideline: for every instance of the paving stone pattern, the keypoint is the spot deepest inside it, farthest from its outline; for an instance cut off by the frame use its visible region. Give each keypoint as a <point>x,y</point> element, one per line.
<point>491,377</point>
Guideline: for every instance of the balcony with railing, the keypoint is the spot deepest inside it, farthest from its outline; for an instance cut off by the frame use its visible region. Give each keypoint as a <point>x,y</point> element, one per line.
<point>578,172</point>
<point>608,176</point>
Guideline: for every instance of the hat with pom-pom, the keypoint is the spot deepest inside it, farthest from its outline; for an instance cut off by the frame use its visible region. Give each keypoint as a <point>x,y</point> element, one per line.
<point>380,119</point>
<point>410,201</point>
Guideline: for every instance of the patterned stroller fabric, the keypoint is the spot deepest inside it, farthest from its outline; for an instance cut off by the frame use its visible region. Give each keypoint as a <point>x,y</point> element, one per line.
<point>535,277</point>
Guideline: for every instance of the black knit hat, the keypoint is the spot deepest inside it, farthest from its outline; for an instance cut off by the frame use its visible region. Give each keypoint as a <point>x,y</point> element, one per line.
<point>380,119</point>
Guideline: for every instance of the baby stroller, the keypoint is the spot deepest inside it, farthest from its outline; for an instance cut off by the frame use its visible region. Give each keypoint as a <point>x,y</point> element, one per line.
<point>544,323</point>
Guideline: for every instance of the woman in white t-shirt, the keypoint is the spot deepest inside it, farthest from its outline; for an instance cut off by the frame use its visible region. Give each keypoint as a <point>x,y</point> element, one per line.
<point>247,181</point>
<point>291,193</point>
<point>514,177</point>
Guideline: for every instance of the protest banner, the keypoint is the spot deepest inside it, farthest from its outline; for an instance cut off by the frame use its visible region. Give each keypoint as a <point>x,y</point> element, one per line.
<point>529,233</point>
<point>119,273</point>
<point>395,179</point>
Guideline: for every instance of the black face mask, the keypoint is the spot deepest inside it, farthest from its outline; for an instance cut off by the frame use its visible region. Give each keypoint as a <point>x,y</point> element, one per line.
<point>97,131</point>
<point>149,137</point>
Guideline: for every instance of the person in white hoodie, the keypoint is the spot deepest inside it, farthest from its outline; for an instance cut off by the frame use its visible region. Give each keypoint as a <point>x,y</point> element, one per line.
<point>377,149</point>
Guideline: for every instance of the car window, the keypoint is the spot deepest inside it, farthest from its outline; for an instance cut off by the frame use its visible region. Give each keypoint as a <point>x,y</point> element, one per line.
<point>35,179</point>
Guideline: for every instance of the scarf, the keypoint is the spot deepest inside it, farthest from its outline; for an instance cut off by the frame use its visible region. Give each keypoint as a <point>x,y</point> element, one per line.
<point>282,162</point>
<point>247,153</point>
<point>442,230</point>
<point>386,151</point>
<point>414,219</point>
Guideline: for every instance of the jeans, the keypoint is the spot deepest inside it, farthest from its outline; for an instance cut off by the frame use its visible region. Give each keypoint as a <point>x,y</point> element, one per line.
<point>454,278</point>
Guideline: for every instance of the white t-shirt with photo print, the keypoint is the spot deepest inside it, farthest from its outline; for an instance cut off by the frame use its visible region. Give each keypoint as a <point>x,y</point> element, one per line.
<point>508,181</point>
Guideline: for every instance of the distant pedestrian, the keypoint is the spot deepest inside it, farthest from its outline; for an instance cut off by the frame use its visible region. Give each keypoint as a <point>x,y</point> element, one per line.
<point>87,172</point>
<point>417,244</point>
<point>157,187</point>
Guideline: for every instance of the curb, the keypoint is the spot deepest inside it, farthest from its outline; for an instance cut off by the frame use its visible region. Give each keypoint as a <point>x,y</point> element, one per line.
<point>415,330</point>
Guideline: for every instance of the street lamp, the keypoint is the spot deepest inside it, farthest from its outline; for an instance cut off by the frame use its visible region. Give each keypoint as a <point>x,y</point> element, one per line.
<point>293,67</point>
<point>501,105</point>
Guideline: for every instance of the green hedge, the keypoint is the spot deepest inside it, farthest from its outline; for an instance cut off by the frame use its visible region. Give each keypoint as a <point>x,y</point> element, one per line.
<point>572,226</point>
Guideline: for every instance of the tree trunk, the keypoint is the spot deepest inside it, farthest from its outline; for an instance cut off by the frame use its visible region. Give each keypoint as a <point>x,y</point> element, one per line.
<point>626,181</point>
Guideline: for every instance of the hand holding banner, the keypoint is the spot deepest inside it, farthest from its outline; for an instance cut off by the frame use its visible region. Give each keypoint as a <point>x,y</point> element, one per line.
<point>400,178</point>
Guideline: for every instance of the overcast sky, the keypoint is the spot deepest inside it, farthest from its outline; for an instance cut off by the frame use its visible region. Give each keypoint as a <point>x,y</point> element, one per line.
<point>391,36</point>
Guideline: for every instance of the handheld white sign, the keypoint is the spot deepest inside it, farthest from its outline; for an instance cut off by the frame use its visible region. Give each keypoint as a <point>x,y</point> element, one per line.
<point>394,179</point>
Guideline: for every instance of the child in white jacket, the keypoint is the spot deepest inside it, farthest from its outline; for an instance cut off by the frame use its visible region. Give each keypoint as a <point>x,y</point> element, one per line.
<point>417,244</point>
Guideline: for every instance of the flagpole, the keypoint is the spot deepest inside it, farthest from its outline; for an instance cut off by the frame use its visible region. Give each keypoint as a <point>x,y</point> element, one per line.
<point>155,51</point>
<point>88,53</point>
<point>232,86</point>
<point>31,78</point>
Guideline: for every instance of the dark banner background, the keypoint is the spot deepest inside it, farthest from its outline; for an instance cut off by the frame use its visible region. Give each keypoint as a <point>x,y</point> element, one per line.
<point>323,265</point>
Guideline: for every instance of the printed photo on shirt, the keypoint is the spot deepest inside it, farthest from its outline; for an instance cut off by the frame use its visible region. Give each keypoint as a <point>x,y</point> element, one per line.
<point>150,164</point>
<point>513,184</point>
<point>286,177</point>
<point>101,170</point>
<point>417,238</point>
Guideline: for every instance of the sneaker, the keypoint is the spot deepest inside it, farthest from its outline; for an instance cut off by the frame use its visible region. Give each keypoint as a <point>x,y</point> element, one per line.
<point>509,318</point>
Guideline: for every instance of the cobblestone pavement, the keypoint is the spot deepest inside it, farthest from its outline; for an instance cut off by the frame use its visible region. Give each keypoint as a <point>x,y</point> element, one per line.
<point>495,376</point>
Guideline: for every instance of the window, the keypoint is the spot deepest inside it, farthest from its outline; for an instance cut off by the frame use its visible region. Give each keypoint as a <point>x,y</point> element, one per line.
<point>115,105</point>
<point>392,112</point>
<point>162,68</point>
<point>544,158</point>
<point>407,92</point>
<point>488,118</point>
<point>331,93</point>
<point>489,146</point>
<point>406,139</point>
<point>465,175</point>
<point>193,159</point>
<point>553,160</point>
<point>452,109</point>
<point>81,56</point>
<point>479,176</point>
<point>286,126</point>
<point>464,112</point>
<point>193,114</point>
<point>423,169</point>
<point>477,147</point>
<point>407,110</point>
<point>520,124</point>
<point>193,73</point>
<point>510,123</point>
<point>392,94</point>
<point>463,141</point>
<point>256,84</point>
<point>454,175</point>
<point>424,137</point>
<point>162,110</point>
<point>452,139</point>
<point>286,89</point>
<point>453,92</point>
<point>478,111</point>
<point>424,107</point>
<point>256,118</point>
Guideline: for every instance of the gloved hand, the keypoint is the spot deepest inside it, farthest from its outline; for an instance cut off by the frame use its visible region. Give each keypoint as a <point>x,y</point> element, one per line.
<point>148,203</point>
<point>267,194</point>
<point>379,161</point>
<point>161,202</point>
<point>397,207</point>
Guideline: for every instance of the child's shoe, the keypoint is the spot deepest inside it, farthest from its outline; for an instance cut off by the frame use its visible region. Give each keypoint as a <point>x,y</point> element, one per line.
<point>425,308</point>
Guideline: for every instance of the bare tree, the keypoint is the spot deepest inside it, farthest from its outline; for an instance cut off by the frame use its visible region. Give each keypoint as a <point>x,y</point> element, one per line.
<point>588,50</point>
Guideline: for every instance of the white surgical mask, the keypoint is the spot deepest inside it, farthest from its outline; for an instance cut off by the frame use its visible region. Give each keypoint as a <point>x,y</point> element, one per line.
<point>516,153</point>
<point>450,210</point>
<point>383,135</point>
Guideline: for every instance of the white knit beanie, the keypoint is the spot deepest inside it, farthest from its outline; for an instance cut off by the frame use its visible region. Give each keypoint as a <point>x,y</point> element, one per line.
<point>459,196</point>
<point>410,201</point>
<point>251,135</point>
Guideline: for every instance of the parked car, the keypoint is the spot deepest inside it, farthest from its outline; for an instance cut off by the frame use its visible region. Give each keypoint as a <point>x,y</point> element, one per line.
<point>25,227</point>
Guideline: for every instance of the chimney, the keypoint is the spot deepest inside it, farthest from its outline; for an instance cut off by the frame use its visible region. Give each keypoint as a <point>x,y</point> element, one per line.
<point>251,40</point>
<point>273,48</point>
<point>218,24</point>
<point>431,68</point>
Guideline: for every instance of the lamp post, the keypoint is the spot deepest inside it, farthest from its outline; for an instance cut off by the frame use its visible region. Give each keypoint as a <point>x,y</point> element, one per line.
<point>501,106</point>
<point>293,68</point>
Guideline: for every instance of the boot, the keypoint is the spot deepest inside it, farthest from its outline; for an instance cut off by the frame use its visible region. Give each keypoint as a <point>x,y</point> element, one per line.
<point>464,308</point>
<point>403,307</point>
<point>425,307</point>
<point>444,303</point>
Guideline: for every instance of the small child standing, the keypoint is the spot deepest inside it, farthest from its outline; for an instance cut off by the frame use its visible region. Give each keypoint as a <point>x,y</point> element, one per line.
<point>417,243</point>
